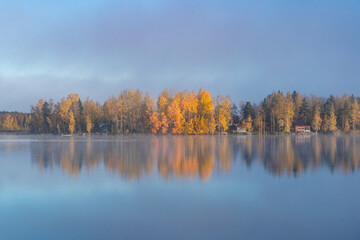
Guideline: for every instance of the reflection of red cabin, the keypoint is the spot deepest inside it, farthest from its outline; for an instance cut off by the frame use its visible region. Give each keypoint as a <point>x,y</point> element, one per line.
<point>302,129</point>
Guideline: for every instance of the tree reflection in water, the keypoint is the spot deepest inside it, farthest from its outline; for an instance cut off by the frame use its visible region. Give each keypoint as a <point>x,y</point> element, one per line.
<point>192,157</point>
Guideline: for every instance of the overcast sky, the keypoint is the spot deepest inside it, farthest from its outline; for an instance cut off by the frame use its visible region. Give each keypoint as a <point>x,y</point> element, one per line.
<point>245,49</point>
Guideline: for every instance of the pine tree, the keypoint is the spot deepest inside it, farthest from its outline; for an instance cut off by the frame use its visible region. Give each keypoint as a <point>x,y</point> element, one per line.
<point>82,120</point>
<point>248,110</point>
<point>305,113</point>
<point>298,103</point>
<point>235,114</point>
<point>344,114</point>
<point>46,111</point>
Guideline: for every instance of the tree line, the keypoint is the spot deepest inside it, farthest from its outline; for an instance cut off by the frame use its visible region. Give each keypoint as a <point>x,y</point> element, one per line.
<point>186,112</point>
<point>134,112</point>
<point>14,121</point>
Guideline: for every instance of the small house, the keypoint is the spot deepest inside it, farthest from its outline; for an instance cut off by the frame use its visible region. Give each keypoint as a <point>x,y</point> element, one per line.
<point>302,129</point>
<point>239,129</point>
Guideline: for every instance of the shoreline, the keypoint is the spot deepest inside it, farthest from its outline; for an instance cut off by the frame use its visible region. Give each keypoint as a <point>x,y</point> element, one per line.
<point>28,133</point>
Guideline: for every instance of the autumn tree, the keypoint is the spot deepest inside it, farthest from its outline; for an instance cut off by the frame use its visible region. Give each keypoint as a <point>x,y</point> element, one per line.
<point>10,123</point>
<point>163,123</point>
<point>163,104</point>
<point>280,111</point>
<point>147,109</point>
<point>316,121</point>
<point>205,122</point>
<point>37,120</point>
<point>288,112</point>
<point>247,124</point>
<point>88,124</point>
<point>155,122</point>
<point>189,106</point>
<point>332,120</point>
<point>76,109</point>
<point>223,111</point>
<point>175,116</point>
<point>64,115</point>
<point>134,101</point>
<point>354,114</point>
<point>325,123</point>
<point>93,114</point>
<point>71,122</point>
<point>260,120</point>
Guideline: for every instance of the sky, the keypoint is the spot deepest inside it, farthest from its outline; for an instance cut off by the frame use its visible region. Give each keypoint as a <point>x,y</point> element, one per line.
<point>244,49</point>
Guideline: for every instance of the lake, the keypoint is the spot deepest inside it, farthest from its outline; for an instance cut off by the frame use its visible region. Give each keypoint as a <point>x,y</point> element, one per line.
<point>180,187</point>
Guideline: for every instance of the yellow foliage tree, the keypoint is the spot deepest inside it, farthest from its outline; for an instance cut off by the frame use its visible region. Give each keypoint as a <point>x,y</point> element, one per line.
<point>163,101</point>
<point>332,120</point>
<point>354,114</point>
<point>176,118</point>
<point>64,114</point>
<point>325,124</point>
<point>288,112</point>
<point>164,123</point>
<point>222,112</point>
<point>71,123</point>
<point>191,127</point>
<point>155,122</point>
<point>205,123</point>
<point>248,124</point>
<point>316,121</point>
<point>10,123</point>
<point>88,124</point>
<point>189,104</point>
<point>189,107</point>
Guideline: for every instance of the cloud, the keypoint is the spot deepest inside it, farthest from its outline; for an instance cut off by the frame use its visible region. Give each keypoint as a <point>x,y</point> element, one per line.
<point>241,48</point>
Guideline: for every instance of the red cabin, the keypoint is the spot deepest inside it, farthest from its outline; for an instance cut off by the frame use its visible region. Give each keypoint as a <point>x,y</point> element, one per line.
<point>302,129</point>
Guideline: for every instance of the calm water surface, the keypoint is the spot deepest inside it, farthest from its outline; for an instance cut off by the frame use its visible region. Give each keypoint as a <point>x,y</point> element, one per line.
<point>180,187</point>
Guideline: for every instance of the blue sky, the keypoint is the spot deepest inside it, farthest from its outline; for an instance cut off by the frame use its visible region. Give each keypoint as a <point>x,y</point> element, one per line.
<point>244,49</point>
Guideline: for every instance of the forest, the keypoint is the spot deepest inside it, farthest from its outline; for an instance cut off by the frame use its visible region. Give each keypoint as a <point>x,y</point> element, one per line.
<point>186,112</point>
